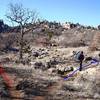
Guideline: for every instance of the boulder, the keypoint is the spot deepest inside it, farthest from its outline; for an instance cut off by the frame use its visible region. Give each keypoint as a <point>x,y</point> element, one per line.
<point>39,65</point>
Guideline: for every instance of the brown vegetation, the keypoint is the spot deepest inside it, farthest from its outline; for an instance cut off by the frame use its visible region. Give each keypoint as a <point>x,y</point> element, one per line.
<point>95,43</point>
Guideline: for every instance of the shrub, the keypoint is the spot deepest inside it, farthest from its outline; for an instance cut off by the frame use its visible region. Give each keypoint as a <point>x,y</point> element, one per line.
<point>95,43</point>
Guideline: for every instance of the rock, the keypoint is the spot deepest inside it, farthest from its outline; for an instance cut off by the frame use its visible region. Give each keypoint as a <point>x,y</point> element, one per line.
<point>88,58</point>
<point>51,70</point>
<point>68,69</point>
<point>25,61</point>
<point>35,54</point>
<point>99,54</point>
<point>39,65</point>
<point>97,96</point>
<point>40,52</point>
<point>32,63</point>
<point>53,61</point>
<point>48,65</point>
<point>62,70</point>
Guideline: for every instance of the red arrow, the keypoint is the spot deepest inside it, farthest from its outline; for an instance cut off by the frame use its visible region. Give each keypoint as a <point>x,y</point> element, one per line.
<point>6,77</point>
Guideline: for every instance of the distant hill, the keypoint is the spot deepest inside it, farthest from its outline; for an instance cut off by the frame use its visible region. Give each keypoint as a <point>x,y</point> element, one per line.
<point>67,35</point>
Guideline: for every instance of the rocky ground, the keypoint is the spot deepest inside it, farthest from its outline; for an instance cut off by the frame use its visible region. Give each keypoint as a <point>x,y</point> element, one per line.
<point>38,78</point>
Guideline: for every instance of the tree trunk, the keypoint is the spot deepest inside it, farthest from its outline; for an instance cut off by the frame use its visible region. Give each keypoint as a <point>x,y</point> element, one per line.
<point>21,44</point>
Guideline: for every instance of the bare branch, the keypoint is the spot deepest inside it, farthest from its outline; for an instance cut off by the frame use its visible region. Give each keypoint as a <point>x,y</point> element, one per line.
<point>22,16</point>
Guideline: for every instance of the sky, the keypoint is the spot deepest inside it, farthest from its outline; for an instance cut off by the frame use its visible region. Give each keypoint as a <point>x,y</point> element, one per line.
<point>85,12</point>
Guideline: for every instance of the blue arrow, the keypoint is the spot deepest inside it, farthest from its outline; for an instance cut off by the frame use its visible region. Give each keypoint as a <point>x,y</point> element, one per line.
<point>71,74</point>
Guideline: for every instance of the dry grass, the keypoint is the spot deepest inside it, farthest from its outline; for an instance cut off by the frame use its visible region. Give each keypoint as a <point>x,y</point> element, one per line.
<point>95,43</point>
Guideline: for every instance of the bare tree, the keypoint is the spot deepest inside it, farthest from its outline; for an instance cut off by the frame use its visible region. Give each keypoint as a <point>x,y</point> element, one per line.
<point>21,16</point>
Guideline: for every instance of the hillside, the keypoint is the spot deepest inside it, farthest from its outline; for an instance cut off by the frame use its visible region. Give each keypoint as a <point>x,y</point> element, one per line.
<point>47,61</point>
<point>76,35</point>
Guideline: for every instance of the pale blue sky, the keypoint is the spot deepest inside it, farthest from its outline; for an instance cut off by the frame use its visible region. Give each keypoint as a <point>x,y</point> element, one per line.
<point>86,12</point>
